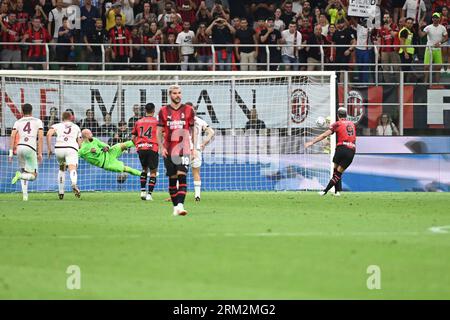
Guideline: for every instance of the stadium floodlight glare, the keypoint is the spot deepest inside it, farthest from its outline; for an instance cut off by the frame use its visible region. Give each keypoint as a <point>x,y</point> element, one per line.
<point>261,119</point>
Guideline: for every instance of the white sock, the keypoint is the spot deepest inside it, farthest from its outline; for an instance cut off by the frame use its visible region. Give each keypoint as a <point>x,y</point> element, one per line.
<point>197,188</point>
<point>61,181</point>
<point>27,176</point>
<point>24,184</point>
<point>73,177</point>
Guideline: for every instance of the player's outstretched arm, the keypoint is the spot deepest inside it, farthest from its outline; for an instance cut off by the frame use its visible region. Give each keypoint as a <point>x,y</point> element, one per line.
<point>318,138</point>
<point>50,134</point>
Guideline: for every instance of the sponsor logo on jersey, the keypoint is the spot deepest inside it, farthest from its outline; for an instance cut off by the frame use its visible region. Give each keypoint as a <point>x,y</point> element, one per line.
<point>299,106</point>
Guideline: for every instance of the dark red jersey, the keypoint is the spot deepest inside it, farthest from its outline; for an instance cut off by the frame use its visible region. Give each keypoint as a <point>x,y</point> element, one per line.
<point>345,132</point>
<point>120,35</point>
<point>12,34</point>
<point>23,18</point>
<point>145,132</point>
<point>177,125</point>
<point>388,40</point>
<point>40,36</point>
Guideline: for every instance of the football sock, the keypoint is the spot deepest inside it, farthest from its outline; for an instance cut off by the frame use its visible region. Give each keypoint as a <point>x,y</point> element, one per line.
<point>182,188</point>
<point>73,177</point>
<point>143,180</point>
<point>333,181</point>
<point>24,184</point>
<point>61,181</point>
<point>134,172</point>
<point>197,188</point>
<point>338,186</point>
<point>173,190</point>
<point>151,184</point>
<point>27,176</point>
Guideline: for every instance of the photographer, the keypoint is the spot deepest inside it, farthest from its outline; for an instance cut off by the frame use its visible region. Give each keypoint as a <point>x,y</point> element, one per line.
<point>222,33</point>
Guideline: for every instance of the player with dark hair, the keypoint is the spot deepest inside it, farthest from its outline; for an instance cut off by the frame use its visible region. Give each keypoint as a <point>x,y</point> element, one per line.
<point>145,139</point>
<point>345,148</point>
<point>175,131</point>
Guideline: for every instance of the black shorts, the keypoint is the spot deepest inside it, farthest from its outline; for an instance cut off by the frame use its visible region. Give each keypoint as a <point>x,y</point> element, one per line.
<point>343,156</point>
<point>149,159</point>
<point>173,166</point>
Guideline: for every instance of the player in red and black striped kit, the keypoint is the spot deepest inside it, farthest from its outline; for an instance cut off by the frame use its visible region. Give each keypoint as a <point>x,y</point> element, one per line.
<point>175,131</point>
<point>145,138</point>
<point>345,148</point>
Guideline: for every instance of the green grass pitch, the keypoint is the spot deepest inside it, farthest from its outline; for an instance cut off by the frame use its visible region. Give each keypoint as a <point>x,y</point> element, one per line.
<point>257,245</point>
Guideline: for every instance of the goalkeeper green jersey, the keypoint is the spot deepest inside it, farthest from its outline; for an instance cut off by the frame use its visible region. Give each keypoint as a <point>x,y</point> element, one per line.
<point>99,157</point>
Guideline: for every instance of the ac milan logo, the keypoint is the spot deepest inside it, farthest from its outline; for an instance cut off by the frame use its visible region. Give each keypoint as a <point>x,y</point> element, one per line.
<point>355,106</point>
<point>299,106</point>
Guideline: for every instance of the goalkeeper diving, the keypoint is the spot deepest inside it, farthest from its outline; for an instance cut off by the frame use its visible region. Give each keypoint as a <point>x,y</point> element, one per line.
<point>101,155</point>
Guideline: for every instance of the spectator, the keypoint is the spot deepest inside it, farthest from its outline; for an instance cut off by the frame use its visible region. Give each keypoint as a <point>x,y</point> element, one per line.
<point>406,36</point>
<point>297,7</point>
<point>323,21</point>
<point>137,115</point>
<point>246,55</point>
<point>74,19</point>
<point>94,53</point>
<point>204,54</point>
<point>436,36</point>
<point>108,129</point>
<point>288,15</point>
<point>89,15</point>
<point>236,23</point>
<point>55,19</point>
<point>262,9</point>
<point>314,54</point>
<point>123,131</point>
<point>119,37</point>
<point>147,16</point>
<point>170,53</point>
<point>37,53</point>
<point>415,10</point>
<point>90,123</point>
<point>151,35</point>
<point>335,10</point>
<point>445,22</point>
<point>307,13</point>
<point>11,32</point>
<point>271,36</point>
<point>137,59</point>
<point>51,119</point>
<point>292,40</point>
<point>165,18</point>
<point>40,13</point>
<point>386,127</point>
<point>22,16</point>
<point>185,40</point>
<point>128,11</point>
<point>222,33</point>
<point>174,26</point>
<point>364,52</point>
<point>188,11</point>
<point>218,10</point>
<point>111,16</point>
<point>341,55</point>
<point>65,36</point>
<point>388,39</point>
<point>253,122</point>
<point>278,23</point>
<point>203,14</point>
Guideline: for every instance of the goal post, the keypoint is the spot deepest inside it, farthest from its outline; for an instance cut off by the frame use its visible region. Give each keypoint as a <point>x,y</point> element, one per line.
<point>261,122</point>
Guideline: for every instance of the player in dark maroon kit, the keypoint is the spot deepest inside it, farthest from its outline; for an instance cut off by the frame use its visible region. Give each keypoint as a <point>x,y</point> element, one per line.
<point>175,130</point>
<point>345,148</point>
<point>145,138</point>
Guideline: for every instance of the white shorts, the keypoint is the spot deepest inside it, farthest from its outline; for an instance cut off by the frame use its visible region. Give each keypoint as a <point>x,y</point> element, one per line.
<point>66,156</point>
<point>27,159</point>
<point>197,161</point>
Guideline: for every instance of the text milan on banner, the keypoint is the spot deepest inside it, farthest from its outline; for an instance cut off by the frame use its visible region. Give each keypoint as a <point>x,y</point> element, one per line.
<point>362,8</point>
<point>278,106</point>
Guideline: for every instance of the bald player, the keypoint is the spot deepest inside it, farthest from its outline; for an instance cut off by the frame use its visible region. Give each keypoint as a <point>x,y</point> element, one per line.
<point>101,155</point>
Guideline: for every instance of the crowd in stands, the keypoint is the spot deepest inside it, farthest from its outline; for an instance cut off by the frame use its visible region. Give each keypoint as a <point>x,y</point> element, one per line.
<point>293,27</point>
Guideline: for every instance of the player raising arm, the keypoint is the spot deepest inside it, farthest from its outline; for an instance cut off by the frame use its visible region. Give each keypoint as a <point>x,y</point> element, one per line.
<point>68,140</point>
<point>175,130</point>
<point>29,130</point>
<point>101,155</point>
<point>345,148</point>
<point>200,127</point>
<point>145,139</point>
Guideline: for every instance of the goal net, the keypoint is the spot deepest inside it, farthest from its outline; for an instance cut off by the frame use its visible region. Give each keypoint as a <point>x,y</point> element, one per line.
<point>261,122</point>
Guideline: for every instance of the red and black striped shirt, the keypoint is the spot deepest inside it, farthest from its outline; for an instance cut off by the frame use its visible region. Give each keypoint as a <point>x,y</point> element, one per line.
<point>39,36</point>
<point>12,34</point>
<point>120,35</point>
<point>23,18</point>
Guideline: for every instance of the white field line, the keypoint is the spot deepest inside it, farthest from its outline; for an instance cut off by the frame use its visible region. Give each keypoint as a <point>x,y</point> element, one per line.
<point>432,230</point>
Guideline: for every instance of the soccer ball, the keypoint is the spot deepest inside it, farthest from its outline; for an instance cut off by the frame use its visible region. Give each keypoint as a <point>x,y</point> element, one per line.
<point>320,122</point>
<point>122,177</point>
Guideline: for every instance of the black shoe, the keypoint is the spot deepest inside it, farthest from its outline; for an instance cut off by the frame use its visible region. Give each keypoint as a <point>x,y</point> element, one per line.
<point>197,199</point>
<point>76,191</point>
<point>61,196</point>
